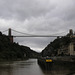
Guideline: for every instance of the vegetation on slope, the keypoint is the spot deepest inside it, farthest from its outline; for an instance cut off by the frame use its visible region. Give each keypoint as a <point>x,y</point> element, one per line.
<point>53,47</point>
<point>14,51</point>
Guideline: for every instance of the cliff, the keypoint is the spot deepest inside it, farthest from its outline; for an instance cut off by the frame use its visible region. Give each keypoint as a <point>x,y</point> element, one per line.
<point>52,48</point>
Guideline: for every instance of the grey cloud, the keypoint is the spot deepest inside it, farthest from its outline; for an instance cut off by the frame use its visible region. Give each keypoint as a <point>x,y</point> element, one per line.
<point>22,9</point>
<point>65,10</point>
<point>45,26</point>
<point>37,17</point>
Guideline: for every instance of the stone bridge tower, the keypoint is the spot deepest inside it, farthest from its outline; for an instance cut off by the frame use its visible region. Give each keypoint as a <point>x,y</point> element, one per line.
<point>10,36</point>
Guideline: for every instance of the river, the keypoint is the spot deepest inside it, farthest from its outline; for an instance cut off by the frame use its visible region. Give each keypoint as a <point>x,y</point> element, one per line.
<point>30,67</point>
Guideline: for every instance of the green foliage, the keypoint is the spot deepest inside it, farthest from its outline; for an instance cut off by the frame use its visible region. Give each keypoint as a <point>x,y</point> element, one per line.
<point>13,51</point>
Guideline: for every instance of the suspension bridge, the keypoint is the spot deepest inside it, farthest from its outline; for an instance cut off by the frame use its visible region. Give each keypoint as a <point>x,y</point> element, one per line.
<point>30,35</point>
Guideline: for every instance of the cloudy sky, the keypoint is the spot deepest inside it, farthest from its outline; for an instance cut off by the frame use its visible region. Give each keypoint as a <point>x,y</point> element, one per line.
<point>37,17</point>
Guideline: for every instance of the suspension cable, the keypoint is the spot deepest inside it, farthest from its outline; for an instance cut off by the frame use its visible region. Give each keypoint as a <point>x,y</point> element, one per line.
<point>33,34</point>
<point>4,30</point>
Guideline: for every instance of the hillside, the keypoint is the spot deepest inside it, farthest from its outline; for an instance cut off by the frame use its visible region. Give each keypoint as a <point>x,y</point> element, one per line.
<point>59,43</point>
<point>14,51</point>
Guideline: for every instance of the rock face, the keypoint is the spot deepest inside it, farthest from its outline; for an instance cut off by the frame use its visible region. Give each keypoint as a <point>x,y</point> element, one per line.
<point>14,51</point>
<point>52,48</point>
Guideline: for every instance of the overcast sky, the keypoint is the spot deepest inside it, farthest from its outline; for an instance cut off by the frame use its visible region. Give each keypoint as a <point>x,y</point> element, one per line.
<point>37,17</point>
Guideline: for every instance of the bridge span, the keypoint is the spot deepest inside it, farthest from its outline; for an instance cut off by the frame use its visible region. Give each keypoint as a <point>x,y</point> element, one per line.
<point>30,35</point>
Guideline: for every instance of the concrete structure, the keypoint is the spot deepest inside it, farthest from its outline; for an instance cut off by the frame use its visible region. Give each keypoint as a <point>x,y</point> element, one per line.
<point>72,48</point>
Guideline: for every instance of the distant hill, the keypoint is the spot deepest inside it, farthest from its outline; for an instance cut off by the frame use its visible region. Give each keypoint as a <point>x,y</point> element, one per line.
<point>14,51</point>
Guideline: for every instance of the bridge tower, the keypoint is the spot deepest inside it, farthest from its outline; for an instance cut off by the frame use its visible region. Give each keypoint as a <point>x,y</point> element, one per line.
<point>10,36</point>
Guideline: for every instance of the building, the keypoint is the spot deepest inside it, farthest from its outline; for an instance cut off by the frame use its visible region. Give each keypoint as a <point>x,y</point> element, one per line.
<point>71,49</point>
